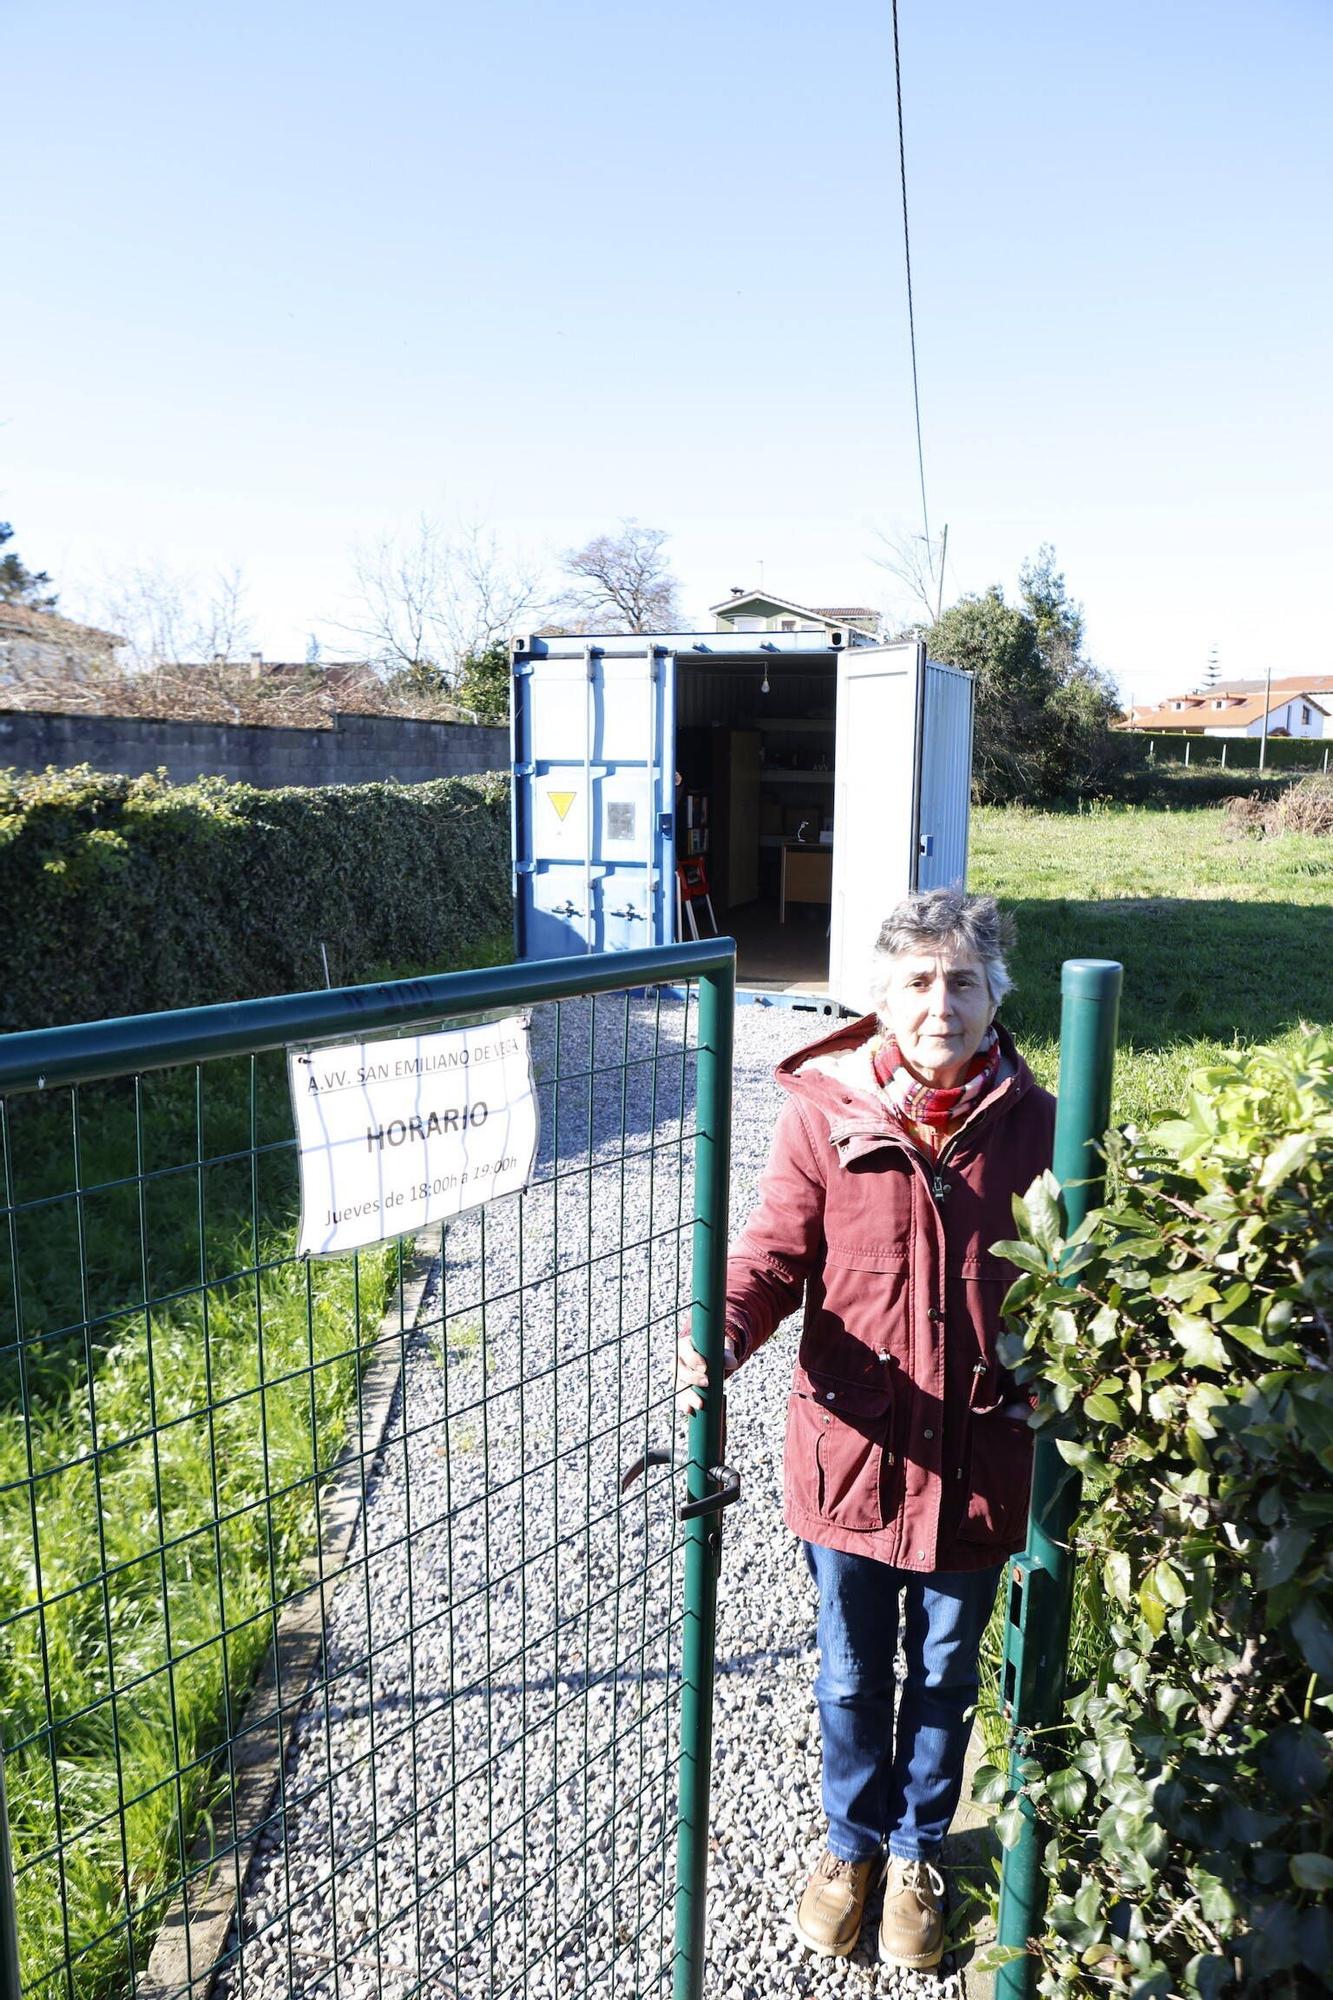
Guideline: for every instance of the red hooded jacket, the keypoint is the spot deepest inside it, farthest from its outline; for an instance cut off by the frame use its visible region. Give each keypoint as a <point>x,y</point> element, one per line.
<point>897,1442</point>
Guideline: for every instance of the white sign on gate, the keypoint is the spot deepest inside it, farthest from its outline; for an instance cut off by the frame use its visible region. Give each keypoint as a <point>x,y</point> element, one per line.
<point>396,1134</point>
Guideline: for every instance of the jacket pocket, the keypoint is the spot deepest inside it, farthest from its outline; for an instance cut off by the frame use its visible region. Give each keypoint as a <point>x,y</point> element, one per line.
<point>837,1462</point>
<point>998,1477</point>
<point>858,1319</point>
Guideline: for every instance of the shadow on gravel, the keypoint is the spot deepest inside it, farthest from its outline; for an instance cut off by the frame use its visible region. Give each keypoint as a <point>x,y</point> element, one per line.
<point>422,1701</point>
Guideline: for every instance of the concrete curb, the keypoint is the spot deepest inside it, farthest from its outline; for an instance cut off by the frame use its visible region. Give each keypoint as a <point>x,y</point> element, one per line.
<point>189,1949</point>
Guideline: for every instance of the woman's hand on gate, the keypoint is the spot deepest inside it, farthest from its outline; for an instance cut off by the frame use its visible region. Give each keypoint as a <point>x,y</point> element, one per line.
<point>692,1370</point>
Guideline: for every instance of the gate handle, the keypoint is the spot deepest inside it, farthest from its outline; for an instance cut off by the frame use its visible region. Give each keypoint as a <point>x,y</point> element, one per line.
<point>649,1458</point>
<point>728,1485</point>
<point>726,1482</point>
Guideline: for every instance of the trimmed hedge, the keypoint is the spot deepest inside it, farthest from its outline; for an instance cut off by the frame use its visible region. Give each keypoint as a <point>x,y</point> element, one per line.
<point>124,895</point>
<point>1284,753</point>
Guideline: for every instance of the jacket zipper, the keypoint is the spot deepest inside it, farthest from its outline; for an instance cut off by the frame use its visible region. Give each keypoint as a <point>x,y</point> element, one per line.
<point>936,1166</point>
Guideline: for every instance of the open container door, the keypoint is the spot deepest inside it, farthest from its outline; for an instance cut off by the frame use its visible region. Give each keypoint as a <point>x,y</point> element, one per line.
<point>945,785</point>
<point>876,790</point>
<point>594,768</point>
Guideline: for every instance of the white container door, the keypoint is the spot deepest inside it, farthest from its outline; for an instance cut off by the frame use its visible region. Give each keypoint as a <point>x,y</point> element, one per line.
<point>946,778</point>
<point>594,740</point>
<point>875,788</point>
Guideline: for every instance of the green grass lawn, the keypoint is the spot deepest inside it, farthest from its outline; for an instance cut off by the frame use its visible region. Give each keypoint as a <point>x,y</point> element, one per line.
<point>1224,940</point>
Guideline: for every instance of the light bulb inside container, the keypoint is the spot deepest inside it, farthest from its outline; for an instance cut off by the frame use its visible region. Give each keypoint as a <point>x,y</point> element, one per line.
<point>763,685</point>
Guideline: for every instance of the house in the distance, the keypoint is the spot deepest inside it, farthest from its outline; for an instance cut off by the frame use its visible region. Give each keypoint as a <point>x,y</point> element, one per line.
<point>760,611</point>
<point>1298,705</point>
<point>40,648</point>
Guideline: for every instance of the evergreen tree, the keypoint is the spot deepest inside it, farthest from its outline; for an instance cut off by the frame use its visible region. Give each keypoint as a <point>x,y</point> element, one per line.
<point>1043,712</point>
<point>19,584</point>
<point>483,682</point>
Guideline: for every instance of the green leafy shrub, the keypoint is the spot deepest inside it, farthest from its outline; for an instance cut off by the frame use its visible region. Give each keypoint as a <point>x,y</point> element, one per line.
<point>124,895</point>
<point>485,681</point>
<point>1181,1342</point>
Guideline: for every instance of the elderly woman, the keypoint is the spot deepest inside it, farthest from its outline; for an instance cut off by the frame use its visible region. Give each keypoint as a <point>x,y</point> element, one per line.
<point>908,1458</point>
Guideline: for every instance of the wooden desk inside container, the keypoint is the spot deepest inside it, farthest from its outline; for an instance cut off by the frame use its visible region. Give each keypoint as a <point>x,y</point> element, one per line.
<point>807,877</point>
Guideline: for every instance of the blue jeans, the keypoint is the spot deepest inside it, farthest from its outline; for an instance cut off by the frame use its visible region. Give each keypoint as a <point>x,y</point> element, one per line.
<point>879,1785</point>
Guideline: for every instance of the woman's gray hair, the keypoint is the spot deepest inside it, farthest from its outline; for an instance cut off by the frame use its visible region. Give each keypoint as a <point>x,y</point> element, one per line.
<point>945,920</point>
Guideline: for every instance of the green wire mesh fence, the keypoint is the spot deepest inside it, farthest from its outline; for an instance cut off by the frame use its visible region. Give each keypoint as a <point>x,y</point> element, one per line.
<point>351,1642</point>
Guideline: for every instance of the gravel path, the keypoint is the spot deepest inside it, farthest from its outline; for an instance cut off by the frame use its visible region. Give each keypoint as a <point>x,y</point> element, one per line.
<point>479,1801</point>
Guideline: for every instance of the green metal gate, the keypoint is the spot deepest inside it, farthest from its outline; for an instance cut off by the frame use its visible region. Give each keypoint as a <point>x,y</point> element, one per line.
<point>352,1640</point>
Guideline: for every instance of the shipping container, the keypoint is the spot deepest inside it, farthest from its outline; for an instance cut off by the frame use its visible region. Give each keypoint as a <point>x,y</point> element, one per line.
<point>808,780</point>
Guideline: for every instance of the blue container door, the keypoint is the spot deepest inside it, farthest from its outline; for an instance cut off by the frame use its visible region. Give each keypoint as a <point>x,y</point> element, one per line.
<point>946,778</point>
<point>594,799</point>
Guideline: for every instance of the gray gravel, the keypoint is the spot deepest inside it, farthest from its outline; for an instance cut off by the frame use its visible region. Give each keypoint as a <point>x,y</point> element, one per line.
<point>479,1802</point>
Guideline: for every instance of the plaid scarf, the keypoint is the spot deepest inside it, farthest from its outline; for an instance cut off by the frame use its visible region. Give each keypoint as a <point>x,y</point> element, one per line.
<point>922,1102</point>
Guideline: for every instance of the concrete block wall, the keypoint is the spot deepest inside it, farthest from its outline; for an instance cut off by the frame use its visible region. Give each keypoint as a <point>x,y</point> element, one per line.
<point>358,750</point>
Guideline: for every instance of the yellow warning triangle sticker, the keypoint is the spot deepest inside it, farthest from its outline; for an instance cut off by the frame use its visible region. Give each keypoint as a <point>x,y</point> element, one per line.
<point>562,801</point>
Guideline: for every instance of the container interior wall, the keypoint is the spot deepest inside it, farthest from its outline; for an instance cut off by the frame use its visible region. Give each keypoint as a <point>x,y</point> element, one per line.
<point>756,770</point>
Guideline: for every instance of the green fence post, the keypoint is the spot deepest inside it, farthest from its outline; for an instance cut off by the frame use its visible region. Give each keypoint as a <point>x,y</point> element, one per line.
<point>703,1535</point>
<point>1041,1580</point>
<point>10,1986</point>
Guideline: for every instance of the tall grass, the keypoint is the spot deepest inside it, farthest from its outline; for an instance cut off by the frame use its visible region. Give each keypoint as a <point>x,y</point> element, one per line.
<point>198,1504</point>
<point>173,1386</point>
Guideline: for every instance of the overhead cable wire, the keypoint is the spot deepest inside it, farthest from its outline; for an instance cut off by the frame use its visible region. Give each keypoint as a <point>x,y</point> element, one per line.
<point>907,256</point>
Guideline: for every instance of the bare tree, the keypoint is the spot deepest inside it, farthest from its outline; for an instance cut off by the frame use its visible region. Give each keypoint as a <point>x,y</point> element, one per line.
<point>401,585</point>
<point>911,560</point>
<point>167,617</point>
<point>222,628</point>
<point>622,582</point>
<point>186,644</point>
<point>490,594</point>
<point>428,602</point>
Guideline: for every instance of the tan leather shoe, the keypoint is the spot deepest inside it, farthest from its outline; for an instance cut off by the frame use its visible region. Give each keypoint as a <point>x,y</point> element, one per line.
<point>911,1930</point>
<point>828,1916</point>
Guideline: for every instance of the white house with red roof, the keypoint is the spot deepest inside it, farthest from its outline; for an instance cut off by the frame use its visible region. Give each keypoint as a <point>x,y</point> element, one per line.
<point>1299,705</point>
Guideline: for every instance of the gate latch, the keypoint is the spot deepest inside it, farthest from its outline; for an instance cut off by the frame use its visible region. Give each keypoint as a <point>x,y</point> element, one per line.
<point>725,1480</point>
<point>726,1489</point>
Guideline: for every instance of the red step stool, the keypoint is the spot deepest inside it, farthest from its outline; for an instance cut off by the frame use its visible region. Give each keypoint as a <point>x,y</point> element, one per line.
<point>692,888</point>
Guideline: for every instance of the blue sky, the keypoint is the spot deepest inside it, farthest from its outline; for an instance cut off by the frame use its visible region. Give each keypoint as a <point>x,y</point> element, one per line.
<point>280,277</point>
